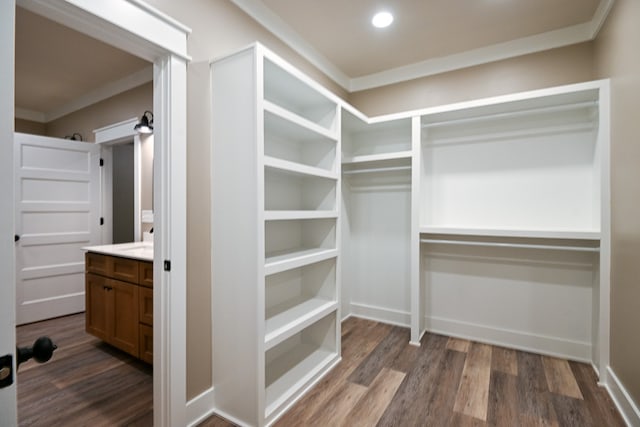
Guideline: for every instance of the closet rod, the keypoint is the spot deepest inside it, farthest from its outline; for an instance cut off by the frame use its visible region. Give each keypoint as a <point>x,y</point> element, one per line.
<point>512,245</point>
<point>389,169</point>
<point>565,107</point>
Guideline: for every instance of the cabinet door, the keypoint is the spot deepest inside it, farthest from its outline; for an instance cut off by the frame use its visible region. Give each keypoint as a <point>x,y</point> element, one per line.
<point>145,312</point>
<point>124,269</point>
<point>146,274</point>
<point>146,343</point>
<point>97,263</point>
<point>123,326</point>
<point>97,306</point>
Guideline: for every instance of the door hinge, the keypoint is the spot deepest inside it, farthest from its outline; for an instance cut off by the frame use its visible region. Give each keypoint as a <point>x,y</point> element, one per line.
<point>167,265</point>
<point>101,162</point>
<point>101,221</point>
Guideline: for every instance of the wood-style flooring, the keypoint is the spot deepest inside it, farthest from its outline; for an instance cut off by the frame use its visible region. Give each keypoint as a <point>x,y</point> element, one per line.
<point>86,383</point>
<point>384,381</point>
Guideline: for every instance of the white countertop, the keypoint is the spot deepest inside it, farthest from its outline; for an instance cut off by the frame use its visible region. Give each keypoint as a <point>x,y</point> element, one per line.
<point>136,250</point>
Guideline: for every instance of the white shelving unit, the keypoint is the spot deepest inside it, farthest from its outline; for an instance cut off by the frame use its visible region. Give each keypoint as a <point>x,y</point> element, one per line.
<point>377,218</point>
<point>514,221</point>
<point>486,220</point>
<point>275,234</point>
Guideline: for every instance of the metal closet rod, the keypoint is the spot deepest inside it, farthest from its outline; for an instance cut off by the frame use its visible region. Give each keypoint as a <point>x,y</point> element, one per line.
<point>370,170</point>
<point>555,108</point>
<point>512,245</point>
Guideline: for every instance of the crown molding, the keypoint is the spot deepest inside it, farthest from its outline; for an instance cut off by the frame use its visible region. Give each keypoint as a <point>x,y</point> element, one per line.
<point>274,24</point>
<point>526,45</point>
<point>31,115</point>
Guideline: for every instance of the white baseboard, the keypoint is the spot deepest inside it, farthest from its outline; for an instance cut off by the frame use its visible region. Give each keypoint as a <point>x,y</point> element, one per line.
<point>625,404</point>
<point>200,407</point>
<point>520,340</point>
<point>381,314</point>
<point>231,419</point>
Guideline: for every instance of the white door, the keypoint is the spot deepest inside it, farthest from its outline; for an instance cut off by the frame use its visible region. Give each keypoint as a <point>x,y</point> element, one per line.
<point>57,195</point>
<point>8,416</point>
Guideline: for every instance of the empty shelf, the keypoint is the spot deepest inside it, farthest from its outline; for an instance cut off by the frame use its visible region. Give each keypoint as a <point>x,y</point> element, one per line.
<point>282,261</point>
<point>377,157</point>
<point>497,232</point>
<point>298,168</point>
<point>286,375</point>
<point>293,316</point>
<point>282,215</point>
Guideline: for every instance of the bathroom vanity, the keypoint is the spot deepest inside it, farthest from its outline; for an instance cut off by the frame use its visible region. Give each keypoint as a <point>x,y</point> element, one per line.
<point>119,296</point>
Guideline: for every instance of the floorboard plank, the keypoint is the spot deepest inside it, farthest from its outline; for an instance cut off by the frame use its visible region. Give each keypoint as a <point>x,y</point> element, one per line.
<point>473,395</point>
<point>602,409</point>
<point>534,404</point>
<point>381,356</point>
<point>338,406</point>
<point>504,360</point>
<point>503,408</point>
<point>442,398</point>
<point>560,379</point>
<point>571,411</point>
<point>370,408</point>
<point>457,344</point>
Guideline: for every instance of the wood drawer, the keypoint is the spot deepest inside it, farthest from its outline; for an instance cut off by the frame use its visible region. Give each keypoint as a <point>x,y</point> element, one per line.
<point>145,310</point>
<point>97,263</point>
<point>145,272</point>
<point>124,269</point>
<point>145,336</point>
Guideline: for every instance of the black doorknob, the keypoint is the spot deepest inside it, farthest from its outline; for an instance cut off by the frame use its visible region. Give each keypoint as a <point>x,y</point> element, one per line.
<point>16,237</point>
<point>41,351</point>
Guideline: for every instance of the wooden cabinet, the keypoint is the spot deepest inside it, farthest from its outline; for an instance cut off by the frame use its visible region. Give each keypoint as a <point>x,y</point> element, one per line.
<point>118,309</point>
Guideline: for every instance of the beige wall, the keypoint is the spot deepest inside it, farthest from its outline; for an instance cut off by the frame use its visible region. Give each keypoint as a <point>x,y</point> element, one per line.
<point>30,127</point>
<point>219,28</point>
<point>617,57</point>
<point>126,105</point>
<point>555,67</point>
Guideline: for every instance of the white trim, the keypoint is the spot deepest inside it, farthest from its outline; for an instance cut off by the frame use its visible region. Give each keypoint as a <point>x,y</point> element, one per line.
<point>496,52</point>
<point>520,340</point>
<point>381,314</point>
<point>622,399</point>
<point>31,115</point>
<point>103,92</point>
<point>273,23</point>
<point>200,407</point>
<point>540,42</point>
<point>130,25</point>
<point>137,188</point>
<point>116,132</point>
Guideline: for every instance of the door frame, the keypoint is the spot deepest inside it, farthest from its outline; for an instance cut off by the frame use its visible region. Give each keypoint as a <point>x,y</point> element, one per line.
<point>141,30</point>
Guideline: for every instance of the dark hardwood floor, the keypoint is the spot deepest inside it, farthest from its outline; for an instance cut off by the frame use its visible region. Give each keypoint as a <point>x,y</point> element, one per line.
<point>86,383</point>
<point>384,381</point>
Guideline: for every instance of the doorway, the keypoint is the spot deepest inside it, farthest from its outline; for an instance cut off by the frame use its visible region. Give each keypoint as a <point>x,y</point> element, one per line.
<point>162,41</point>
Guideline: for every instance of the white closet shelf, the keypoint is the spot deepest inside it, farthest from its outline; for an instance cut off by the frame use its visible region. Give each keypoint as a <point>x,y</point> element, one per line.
<point>298,120</point>
<point>497,232</point>
<point>288,260</point>
<point>298,367</point>
<point>298,168</point>
<point>376,157</point>
<point>293,316</point>
<point>284,215</point>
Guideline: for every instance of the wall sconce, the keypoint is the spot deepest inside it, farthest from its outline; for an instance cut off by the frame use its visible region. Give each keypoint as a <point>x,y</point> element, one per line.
<point>74,137</point>
<point>145,125</point>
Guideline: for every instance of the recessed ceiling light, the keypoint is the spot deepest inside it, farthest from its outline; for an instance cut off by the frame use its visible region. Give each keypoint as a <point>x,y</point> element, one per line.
<point>382,19</point>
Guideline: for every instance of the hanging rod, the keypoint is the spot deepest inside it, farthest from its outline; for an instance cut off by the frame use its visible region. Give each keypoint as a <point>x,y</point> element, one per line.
<point>557,108</point>
<point>370,170</point>
<point>512,245</point>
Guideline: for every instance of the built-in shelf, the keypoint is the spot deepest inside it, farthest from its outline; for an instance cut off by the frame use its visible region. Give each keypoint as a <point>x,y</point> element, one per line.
<point>298,168</point>
<point>376,157</point>
<point>286,375</point>
<point>289,318</point>
<point>288,260</point>
<point>285,215</point>
<point>494,232</point>
<point>298,120</point>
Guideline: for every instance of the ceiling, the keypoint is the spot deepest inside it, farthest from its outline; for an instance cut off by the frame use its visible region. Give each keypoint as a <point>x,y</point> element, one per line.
<point>426,37</point>
<point>59,70</point>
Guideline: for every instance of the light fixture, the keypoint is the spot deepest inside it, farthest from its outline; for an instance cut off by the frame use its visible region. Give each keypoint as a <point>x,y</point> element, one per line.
<point>382,19</point>
<point>145,125</point>
<point>74,137</point>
